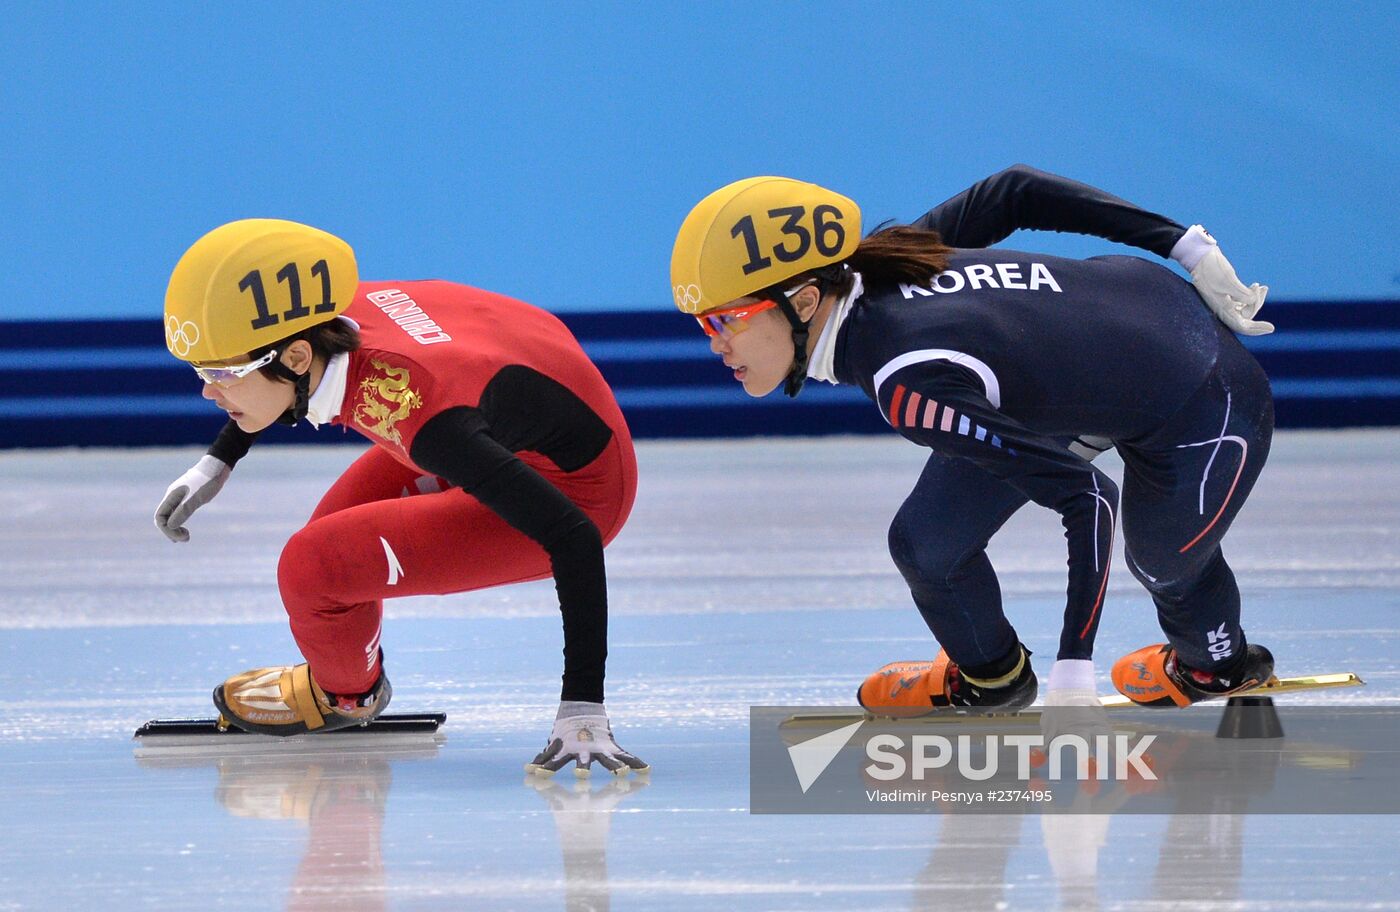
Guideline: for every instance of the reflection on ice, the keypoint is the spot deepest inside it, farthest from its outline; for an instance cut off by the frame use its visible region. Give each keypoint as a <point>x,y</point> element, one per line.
<point>582,818</point>
<point>339,792</point>
<point>339,795</point>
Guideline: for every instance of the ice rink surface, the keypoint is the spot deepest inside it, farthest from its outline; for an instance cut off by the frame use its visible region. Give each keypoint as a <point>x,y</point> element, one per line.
<point>750,573</point>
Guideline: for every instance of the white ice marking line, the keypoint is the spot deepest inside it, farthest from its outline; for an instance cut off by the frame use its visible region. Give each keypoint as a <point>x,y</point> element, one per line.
<point>649,887</point>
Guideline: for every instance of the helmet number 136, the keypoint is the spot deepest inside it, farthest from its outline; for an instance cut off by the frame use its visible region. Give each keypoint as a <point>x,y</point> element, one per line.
<point>827,232</point>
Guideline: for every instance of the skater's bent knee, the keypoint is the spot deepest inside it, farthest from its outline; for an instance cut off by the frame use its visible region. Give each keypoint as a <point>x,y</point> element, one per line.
<point>922,554</point>
<point>305,565</point>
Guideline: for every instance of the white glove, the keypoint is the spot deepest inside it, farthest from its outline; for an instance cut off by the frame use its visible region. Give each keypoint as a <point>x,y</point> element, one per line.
<point>582,734</point>
<point>1216,283</point>
<point>1072,706</point>
<point>1072,684</point>
<point>190,491</point>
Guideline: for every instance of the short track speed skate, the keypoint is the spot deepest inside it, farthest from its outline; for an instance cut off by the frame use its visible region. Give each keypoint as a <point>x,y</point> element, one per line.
<point>1153,676</point>
<point>286,701</point>
<point>912,689</point>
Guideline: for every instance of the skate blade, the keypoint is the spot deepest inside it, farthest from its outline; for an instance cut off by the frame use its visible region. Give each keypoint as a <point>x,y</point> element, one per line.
<point>389,723</point>
<point>1269,688</point>
<point>203,735</point>
<point>1273,687</point>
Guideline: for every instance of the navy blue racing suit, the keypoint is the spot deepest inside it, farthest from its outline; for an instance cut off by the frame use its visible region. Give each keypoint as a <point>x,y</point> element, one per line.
<point>1008,357</point>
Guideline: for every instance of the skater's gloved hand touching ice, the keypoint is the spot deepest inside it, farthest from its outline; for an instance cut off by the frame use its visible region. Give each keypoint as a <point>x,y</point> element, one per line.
<point>1072,684</point>
<point>1215,280</point>
<point>190,491</point>
<point>1072,705</point>
<point>582,734</point>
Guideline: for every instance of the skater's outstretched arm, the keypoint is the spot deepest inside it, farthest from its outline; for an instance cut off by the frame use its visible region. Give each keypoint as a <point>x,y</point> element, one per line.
<point>201,482</point>
<point>1023,197</point>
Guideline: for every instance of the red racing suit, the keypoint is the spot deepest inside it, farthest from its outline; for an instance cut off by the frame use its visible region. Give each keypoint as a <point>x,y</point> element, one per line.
<point>500,455</point>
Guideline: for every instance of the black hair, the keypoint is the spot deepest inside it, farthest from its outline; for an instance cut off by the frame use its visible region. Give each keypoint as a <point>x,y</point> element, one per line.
<point>327,340</point>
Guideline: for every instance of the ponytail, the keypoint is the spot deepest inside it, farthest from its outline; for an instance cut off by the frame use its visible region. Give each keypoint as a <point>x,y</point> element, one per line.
<point>900,254</point>
<point>888,255</point>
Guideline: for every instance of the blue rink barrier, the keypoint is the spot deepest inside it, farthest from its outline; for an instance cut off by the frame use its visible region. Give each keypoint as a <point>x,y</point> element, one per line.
<point>111,382</point>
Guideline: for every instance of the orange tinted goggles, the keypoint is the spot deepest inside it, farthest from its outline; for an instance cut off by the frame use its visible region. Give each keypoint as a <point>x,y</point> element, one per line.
<point>731,320</point>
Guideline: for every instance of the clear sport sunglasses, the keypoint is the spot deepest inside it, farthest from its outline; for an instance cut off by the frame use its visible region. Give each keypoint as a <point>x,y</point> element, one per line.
<point>230,372</point>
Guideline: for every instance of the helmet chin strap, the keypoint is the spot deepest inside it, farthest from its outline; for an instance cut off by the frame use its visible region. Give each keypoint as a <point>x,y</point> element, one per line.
<point>302,397</point>
<point>797,374</point>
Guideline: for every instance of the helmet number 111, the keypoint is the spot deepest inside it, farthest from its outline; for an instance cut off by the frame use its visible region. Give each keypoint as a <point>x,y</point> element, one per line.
<point>253,283</point>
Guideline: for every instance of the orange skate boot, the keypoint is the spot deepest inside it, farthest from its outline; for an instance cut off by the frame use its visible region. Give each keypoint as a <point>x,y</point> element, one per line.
<point>1152,676</point>
<point>908,689</point>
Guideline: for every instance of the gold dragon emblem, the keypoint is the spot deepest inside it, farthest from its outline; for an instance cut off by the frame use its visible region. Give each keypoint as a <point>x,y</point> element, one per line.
<point>385,401</point>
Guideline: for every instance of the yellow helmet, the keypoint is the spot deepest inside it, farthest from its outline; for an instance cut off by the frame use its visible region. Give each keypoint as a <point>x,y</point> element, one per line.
<point>753,234</point>
<point>252,282</point>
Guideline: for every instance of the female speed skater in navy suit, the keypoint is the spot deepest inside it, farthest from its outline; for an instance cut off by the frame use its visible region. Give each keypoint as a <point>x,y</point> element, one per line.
<point>1015,369</point>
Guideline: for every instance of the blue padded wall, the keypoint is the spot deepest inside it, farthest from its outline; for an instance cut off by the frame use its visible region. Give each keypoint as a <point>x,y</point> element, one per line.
<point>111,382</point>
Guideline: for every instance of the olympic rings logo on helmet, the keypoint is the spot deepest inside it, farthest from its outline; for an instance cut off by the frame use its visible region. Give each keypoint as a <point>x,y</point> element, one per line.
<point>180,337</point>
<point>687,296</point>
